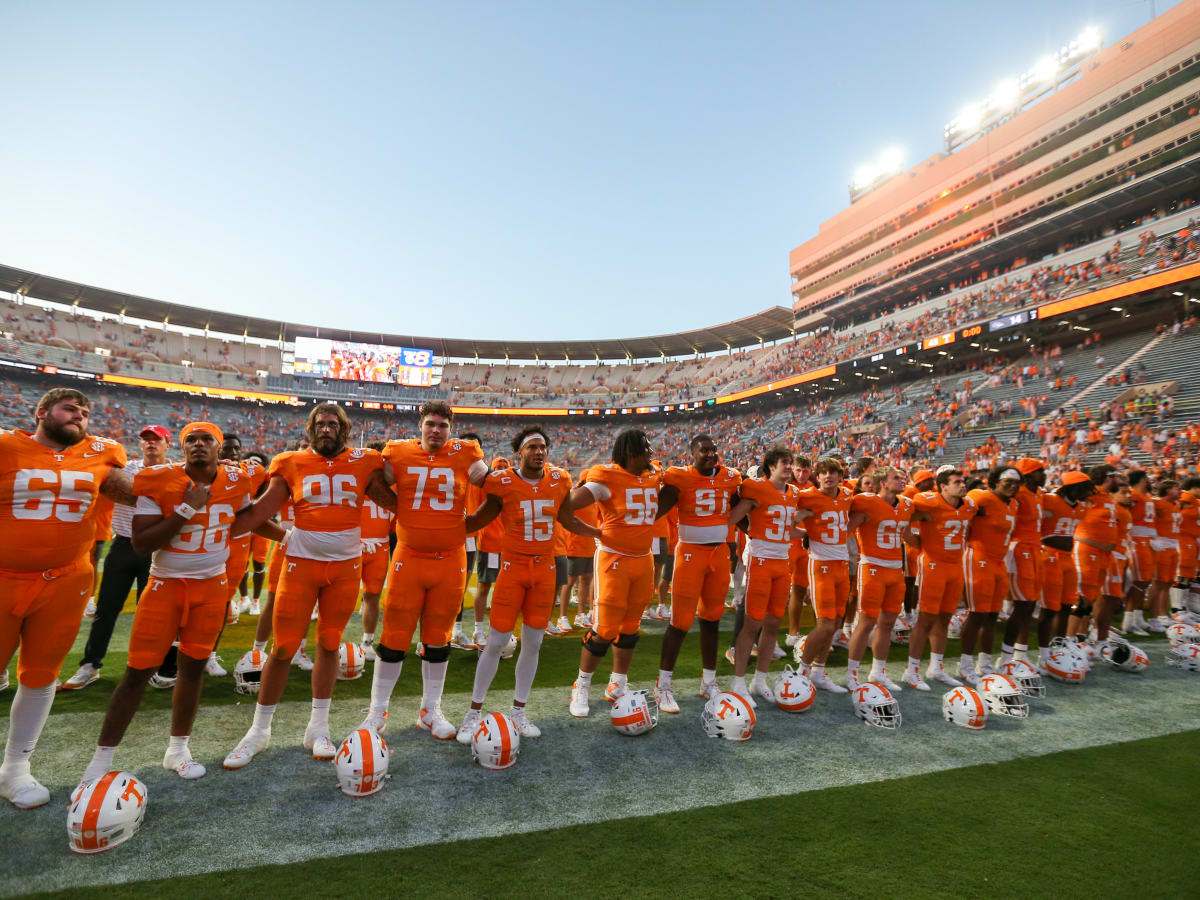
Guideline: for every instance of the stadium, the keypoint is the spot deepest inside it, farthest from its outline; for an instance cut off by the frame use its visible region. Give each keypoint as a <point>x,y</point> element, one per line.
<point>1025,301</point>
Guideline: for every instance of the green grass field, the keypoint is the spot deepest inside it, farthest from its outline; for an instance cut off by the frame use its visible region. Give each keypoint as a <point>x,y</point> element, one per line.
<point>816,802</point>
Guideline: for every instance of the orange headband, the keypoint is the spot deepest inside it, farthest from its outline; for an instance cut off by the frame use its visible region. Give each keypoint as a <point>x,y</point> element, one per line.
<point>208,427</point>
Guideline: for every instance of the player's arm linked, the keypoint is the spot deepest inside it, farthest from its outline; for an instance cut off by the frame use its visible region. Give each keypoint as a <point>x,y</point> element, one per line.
<point>118,487</point>
<point>482,517</point>
<point>379,488</point>
<point>260,511</point>
<point>568,520</point>
<point>668,496</point>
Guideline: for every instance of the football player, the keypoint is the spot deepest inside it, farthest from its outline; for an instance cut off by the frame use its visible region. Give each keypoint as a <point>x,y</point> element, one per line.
<point>1168,519</point>
<point>1060,576</point>
<point>1141,560</point>
<point>798,559</point>
<point>1024,556</point>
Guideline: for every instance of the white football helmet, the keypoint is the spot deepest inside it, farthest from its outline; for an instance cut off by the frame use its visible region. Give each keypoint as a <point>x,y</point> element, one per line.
<point>957,621</point>
<point>875,705</point>
<point>496,742</point>
<point>1125,656</point>
<point>965,708</point>
<point>362,763</point>
<point>1065,666</point>
<point>793,691</point>
<point>798,650</point>
<point>352,661</point>
<point>1185,656</point>
<point>1185,617</point>
<point>105,813</point>
<point>1025,677</point>
<point>1003,696</point>
<point>247,674</point>
<point>728,715</point>
<point>634,712</point>
<point>1182,633</point>
<point>900,630</point>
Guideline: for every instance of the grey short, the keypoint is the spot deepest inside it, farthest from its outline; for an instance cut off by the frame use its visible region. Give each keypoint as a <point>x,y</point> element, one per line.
<point>487,567</point>
<point>560,571</point>
<point>581,565</point>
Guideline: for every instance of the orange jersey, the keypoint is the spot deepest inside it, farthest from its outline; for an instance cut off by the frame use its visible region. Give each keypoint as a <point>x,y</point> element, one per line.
<point>879,536</point>
<point>1143,516</point>
<point>327,496</point>
<point>703,504</point>
<point>375,522</point>
<point>1124,520</point>
<point>1063,516</point>
<point>1098,521</point>
<point>104,515</point>
<point>431,491</point>
<point>200,548</point>
<point>1028,527</point>
<point>475,500</point>
<point>1168,519</point>
<point>1189,510</point>
<point>256,474</point>
<point>628,505</point>
<point>993,524</point>
<point>943,535</point>
<point>48,497</point>
<point>829,525</point>
<point>772,517</point>
<point>528,511</point>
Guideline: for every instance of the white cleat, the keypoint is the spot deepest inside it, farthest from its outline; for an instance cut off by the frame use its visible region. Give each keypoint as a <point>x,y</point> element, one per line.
<point>87,674</point>
<point>764,691</point>
<point>791,640</point>
<point>823,682</point>
<point>888,683</point>
<point>778,653</point>
<point>1137,629</point>
<point>552,629</point>
<point>3,679</point>
<point>460,641</point>
<point>89,611</point>
<point>579,700</point>
<point>613,691</point>
<point>967,675</point>
<point>525,728</point>
<point>255,607</point>
<point>478,640</point>
<point>941,675</point>
<point>510,648</point>
<point>254,743</point>
<point>466,731</point>
<point>231,612</point>
<point>369,651</point>
<point>1155,626</point>
<point>564,625</point>
<point>375,721</point>
<point>213,667</point>
<point>320,743</point>
<point>184,766</point>
<point>581,621</point>
<point>852,682</point>
<point>435,722</point>
<point>664,613</point>
<point>709,689</point>
<point>24,791</point>
<point>301,661</point>
<point>913,680</point>
<point>665,698</point>
<point>315,614</point>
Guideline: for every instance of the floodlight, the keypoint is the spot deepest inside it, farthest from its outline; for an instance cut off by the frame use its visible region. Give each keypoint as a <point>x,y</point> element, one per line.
<point>1089,40</point>
<point>1006,93</point>
<point>1045,69</point>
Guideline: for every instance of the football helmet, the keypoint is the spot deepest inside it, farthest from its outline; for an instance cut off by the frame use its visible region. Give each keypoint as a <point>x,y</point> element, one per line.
<point>1003,697</point>
<point>1125,656</point>
<point>352,661</point>
<point>793,691</point>
<point>965,708</point>
<point>634,712</point>
<point>1185,617</point>
<point>362,763</point>
<point>728,715</point>
<point>105,813</point>
<point>496,742</point>
<point>875,705</point>
<point>1182,633</point>
<point>1184,656</point>
<point>247,674</point>
<point>954,629</point>
<point>900,631</point>
<point>1025,676</point>
<point>1065,666</point>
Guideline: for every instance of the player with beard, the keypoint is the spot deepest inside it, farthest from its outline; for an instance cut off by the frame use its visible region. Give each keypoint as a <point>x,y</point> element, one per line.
<point>49,481</point>
<point>326,485</point>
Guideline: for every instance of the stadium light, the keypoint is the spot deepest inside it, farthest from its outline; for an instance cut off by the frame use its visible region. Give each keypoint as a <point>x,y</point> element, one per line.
<point>869,175</point>
<point>1006,93</point>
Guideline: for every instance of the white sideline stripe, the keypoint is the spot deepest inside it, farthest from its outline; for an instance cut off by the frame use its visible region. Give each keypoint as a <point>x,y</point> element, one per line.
<point>579,771</point>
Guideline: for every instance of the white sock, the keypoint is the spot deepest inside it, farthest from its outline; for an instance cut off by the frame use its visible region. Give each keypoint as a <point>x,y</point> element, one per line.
<point>177,745</point>
<point>262,717</point>
<point>965,662</point>
<point>984,660</point>
<point>1006,653</point>
<point>318,719</point>
<point>914,664</point>
<point>708,676</point>
<point>101,763</point>
<point>739,685</point>
<point>852,669</point>
<point>617,679</point>
<point>878,669</point>
<point>664,678</point>
<point>1043,654</point>
<point>368,638</point>
<point>527,662</point>
<point>260,646</point>
<point>760,680</point>
<point>489,662</point>
<point>26,719</point>
<point>818,670</point>
<point>935,661</point>
<point>584,679</point>
<point>382,682</point>
<point>433,679</point>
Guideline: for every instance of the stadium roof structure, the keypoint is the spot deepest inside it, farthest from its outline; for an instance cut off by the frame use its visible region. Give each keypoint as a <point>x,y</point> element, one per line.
<point>772,324</point>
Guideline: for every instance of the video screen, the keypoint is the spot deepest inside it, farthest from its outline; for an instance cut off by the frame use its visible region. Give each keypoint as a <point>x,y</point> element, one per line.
<point>352,361</point>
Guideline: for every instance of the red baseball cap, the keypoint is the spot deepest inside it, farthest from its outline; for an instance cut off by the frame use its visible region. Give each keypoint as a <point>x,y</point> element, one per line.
<point>157,431</point>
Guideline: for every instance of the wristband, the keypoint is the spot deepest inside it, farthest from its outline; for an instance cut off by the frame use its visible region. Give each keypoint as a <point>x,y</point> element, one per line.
<point>184,511</point>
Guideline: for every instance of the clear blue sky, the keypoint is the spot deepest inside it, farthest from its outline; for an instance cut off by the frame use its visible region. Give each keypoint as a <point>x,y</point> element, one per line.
<point>512,170</point>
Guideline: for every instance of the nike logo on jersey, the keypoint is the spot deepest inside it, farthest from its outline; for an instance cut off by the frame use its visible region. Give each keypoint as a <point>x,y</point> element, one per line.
<point>87,455</point>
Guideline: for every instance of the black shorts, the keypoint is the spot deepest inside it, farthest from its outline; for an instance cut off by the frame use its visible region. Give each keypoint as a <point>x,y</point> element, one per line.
<point>560,571</point>
<point>487,567</point>
<point>470,561</point>
<point>668,567</point>
<point>581,565</point>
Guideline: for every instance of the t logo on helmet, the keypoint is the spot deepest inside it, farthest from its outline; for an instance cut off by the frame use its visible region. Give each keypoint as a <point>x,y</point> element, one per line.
<point>131,790</point>
<point>726,706</point>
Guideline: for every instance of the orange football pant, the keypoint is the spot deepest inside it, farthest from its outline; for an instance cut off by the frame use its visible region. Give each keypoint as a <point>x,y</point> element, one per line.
<point>1059,579</point>
<point>1187,557</point>
<point>330,585</point>
<point>624,585</point>
<point>276,568</point>
<point>701,581</point>
<point>524,587</point>
<point>1166,565</point>
<point>41,611</point>
<point>1091,567</point>
<point>1141,559</point>
<point>768,586</point>
<point>940,584</point>
<point>880,589</point>
<point>235,566</point>
<point>192,609</point>
<point>986,582</point>
<point>427,588</point>
<point>828,586</point>
<point>260,548</point>
<point>1115,586</point>
<point>798,558</point>
<point>375,569</point>
<point>1024,571</point>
